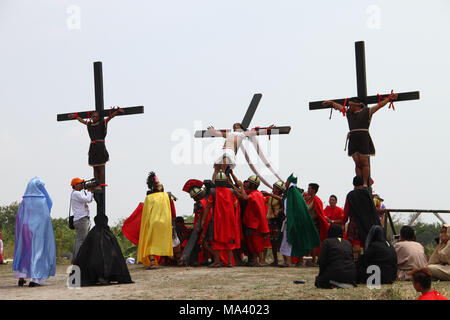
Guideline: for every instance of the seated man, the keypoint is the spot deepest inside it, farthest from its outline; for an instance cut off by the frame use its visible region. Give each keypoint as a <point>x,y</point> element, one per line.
<point>410,254</point>
<point>439,263</point>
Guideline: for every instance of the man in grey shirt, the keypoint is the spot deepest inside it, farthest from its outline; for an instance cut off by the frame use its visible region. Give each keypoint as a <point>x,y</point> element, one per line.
<point>79,205</point>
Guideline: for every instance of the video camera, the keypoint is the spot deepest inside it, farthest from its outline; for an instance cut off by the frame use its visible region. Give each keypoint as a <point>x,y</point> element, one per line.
<point>90,184</point>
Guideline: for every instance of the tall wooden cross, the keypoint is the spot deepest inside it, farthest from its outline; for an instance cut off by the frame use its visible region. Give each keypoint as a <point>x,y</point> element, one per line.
<point>362,87</point>
<point>107,263</point>
<point>99,107</point>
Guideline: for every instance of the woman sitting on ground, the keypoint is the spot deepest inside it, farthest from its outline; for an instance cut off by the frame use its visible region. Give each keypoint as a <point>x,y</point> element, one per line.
<point>439,263</point>
<point>336,263</point>
<point>378,251</point>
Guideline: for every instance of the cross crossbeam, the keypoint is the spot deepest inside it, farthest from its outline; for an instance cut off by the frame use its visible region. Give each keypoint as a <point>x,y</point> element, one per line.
<point>362,84</point>
<point>105,113</point>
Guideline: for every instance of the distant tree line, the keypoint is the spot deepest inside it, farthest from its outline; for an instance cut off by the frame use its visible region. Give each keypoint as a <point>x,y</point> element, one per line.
<point>65,237</point>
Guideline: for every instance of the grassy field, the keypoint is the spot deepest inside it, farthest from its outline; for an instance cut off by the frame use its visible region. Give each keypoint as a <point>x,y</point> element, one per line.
<point>202,283</point>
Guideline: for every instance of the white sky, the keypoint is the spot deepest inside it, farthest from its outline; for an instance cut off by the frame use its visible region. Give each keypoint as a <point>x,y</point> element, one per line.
<point>195,63</point>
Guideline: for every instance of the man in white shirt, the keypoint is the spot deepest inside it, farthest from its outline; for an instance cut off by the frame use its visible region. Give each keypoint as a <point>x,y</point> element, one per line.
<point>79,205</point>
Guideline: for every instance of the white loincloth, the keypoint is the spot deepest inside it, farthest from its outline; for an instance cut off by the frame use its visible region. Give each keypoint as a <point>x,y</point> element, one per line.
<point>229,156</point>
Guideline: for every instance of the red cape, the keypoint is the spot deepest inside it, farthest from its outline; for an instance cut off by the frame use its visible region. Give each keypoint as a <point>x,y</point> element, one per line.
<point>224,216</point>
<point>318,208</point>
<point>256,211</point>
<point>132,226</point>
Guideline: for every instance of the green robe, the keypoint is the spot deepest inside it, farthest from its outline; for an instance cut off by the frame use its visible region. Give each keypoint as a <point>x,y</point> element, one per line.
<point>301,232</point>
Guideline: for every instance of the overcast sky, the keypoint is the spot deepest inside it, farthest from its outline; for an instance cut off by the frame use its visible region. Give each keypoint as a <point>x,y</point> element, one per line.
<point>194,63</point>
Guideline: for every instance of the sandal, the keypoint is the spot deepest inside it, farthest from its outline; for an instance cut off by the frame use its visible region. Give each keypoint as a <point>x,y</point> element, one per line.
<point>152,265</point>
<point>215,265</point>
<point>34,284</point>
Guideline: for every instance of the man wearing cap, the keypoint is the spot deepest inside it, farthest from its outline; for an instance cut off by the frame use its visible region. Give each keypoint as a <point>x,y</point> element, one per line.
<point>360,145</point>
<point>360,210</point>
<point>79,204</point>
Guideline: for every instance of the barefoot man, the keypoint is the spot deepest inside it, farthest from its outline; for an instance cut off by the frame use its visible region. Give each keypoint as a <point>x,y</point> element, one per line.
<point>360,145</point>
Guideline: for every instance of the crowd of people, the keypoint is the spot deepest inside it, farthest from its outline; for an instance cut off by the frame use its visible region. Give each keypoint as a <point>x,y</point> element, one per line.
<point>236,224</point>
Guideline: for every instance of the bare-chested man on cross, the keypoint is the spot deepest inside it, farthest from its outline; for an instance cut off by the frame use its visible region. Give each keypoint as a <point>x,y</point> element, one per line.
<point>233,140</point>
<point>232,143</point>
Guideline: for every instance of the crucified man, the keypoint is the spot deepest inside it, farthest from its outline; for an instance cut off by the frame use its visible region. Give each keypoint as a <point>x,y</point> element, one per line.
<point>97,129</point>
<point>233,141</point>
<point>360,145</point>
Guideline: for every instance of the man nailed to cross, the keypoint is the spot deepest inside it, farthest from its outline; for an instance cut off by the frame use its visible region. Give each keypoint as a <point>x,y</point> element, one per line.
<point>97,128</point>
<point>360,145</point>
<point>233,141</point>
<point>359,115</point>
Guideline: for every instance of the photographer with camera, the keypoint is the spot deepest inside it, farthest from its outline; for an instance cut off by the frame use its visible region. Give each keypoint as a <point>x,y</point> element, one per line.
<point>79,199</point>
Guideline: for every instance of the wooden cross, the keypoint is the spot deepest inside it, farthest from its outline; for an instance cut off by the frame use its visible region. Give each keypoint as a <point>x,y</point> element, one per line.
<point>362,87</point>
<point>246,122</point>
<point>99,107</point>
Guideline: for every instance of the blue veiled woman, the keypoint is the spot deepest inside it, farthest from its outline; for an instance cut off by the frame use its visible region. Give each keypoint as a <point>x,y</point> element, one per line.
<point>34,251</point>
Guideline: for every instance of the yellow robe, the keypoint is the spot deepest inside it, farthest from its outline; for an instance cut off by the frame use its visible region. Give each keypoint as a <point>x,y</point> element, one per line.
<point>155,237</point>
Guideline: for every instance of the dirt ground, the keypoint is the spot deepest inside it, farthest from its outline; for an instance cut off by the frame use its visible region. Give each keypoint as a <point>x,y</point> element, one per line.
<point>203,283</point>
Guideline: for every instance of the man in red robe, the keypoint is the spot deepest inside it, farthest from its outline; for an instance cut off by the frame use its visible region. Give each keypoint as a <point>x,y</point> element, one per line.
<point>333,213</point>
<point>222,225</point>
<point>255,221</point>
<point>315,208</point>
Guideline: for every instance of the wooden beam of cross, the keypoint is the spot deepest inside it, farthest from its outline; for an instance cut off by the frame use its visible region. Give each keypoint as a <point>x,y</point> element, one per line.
<point>362,84</point>
<point>362,87</point>
<point>259,131</point>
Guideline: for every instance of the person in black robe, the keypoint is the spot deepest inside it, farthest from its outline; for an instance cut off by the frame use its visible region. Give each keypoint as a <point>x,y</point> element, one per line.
<point>100,258</point>
<point>379,252</point>
<point>336,262</point>
<point>360,209</point>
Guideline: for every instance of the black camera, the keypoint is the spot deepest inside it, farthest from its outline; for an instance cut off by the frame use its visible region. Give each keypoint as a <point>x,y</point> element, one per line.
<point>90,184</point>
